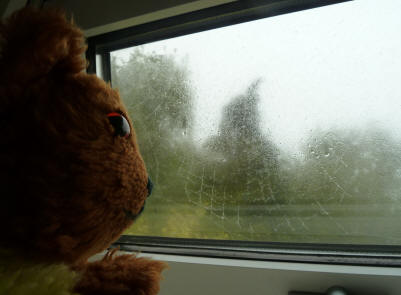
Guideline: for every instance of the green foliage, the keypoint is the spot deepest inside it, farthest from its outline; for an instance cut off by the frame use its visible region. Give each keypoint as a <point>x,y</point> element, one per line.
<point>157,93</point>
<point>349,166</point>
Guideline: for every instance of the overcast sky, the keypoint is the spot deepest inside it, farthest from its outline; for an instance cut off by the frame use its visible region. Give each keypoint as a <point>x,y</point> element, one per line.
<point>330,67</point>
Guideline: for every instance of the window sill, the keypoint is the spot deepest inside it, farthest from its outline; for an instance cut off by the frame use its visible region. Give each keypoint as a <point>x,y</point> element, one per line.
<point>205,275</point>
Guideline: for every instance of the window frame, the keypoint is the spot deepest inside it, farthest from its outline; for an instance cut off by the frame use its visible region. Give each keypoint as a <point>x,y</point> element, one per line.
<point>99,49</point>
<point>193,22</point>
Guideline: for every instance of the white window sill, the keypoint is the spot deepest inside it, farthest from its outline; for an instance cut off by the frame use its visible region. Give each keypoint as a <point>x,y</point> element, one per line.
<point>201,275</point>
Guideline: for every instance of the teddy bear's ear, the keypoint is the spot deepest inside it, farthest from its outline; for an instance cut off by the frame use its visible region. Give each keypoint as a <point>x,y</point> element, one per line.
<point>36,42</point>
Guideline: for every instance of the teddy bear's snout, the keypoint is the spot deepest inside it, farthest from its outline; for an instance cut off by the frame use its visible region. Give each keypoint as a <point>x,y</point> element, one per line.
<point>133,216</point>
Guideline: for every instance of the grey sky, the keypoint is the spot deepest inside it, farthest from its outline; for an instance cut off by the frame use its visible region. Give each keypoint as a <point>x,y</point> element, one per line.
<point>336,66</point>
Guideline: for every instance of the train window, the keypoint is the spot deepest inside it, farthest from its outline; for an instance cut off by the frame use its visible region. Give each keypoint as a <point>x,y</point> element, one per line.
<point>280,130</point>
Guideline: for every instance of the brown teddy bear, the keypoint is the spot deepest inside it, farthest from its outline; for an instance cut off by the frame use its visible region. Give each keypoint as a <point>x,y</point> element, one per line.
<point>71,178</point>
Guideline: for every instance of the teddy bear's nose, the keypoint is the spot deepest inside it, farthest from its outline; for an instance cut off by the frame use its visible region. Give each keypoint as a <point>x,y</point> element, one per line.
<point>149,186</point>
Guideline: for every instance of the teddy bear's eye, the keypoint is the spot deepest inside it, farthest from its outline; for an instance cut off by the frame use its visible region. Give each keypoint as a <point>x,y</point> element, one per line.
<point>120,124</point>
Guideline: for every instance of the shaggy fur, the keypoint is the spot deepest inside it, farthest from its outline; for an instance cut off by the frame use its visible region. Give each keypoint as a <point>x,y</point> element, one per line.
<point>66,181</point>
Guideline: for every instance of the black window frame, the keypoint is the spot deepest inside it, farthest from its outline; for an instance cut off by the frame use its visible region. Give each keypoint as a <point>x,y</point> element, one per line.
<point>206,19</point>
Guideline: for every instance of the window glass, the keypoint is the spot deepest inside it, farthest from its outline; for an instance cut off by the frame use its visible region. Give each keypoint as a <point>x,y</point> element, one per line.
<point>284,129</point>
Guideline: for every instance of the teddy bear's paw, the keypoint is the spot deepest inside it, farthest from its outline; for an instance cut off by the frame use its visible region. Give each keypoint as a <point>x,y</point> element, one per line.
<point>121,275</point>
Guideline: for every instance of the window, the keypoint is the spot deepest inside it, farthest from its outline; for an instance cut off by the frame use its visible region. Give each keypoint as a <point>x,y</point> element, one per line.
<point>279,131</point>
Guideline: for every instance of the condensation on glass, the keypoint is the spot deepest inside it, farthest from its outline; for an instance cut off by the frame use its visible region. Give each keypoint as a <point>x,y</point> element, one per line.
<point>284,129</point>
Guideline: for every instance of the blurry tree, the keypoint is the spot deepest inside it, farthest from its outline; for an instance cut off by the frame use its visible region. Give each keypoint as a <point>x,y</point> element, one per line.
<point>247,159</point>
<point>157,92</point>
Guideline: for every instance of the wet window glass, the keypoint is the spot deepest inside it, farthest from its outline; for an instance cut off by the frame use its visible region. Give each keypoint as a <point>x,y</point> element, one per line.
<point>285,129</point>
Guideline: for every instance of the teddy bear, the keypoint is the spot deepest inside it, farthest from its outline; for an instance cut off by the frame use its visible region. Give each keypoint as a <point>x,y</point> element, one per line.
<point>71,175</point>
